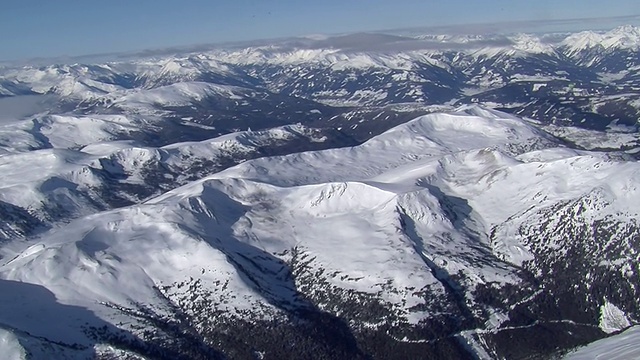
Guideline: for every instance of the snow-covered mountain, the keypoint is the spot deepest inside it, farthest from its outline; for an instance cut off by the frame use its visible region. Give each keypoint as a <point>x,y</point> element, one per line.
<point>624,37</point>
<point>359,196</point>
<point>576,78</point>
<point>433,224</point>
<point>618,347</point>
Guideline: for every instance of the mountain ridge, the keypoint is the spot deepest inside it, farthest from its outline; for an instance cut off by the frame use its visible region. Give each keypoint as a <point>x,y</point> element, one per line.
<point>365,196</point>
<point>415,251</point>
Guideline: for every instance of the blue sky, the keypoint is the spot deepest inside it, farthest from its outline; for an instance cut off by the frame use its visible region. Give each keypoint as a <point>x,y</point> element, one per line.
<point>48,28</point>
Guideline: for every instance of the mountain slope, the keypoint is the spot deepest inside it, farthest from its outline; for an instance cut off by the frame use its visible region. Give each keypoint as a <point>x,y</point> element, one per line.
<point>423,241</point>
<point>324,197</point>
<point>74,182</point>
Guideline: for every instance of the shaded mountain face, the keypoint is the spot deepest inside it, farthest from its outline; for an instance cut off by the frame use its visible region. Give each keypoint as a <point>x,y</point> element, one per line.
<point>366,196</point>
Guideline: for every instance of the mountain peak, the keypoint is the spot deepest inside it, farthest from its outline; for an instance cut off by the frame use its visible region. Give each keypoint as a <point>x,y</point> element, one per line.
<point>622,37</point>
<point>531,44</point>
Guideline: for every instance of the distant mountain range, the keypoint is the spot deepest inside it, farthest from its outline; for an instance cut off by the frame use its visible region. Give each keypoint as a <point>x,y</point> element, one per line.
<point>358,196</point>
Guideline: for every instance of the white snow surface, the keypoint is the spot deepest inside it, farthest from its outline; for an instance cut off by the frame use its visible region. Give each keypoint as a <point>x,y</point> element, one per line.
<point>624,37</point>
<point>178,94</point>
<point>10,348</point>
<point>62,131</point>
<point>345,207</point>
<point>612,319</point>
<point>624,346</point>
<point>80,147</point>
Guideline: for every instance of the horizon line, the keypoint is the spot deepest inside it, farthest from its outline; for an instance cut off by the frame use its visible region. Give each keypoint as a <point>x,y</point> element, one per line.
<point>495,28</point>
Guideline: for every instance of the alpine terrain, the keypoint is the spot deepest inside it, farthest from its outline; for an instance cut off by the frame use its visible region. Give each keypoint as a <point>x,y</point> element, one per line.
<point>363,196</point>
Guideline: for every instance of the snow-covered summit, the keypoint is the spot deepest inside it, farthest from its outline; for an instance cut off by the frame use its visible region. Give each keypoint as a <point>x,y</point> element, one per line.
<point>360,218</point>
<point>623,37</point>
<point>417,225</point>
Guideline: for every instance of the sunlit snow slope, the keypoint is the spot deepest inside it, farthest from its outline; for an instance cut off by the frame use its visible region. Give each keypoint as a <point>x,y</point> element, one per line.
<point>618,347</point>
<point>439,237</point>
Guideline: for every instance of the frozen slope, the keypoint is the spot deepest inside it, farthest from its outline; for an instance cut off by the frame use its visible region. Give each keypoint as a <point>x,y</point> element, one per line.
<point>414,240</point>
<point>426,138</point>
<point>10,347</point>
<point>618,347</point>
<point>83,173</point>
